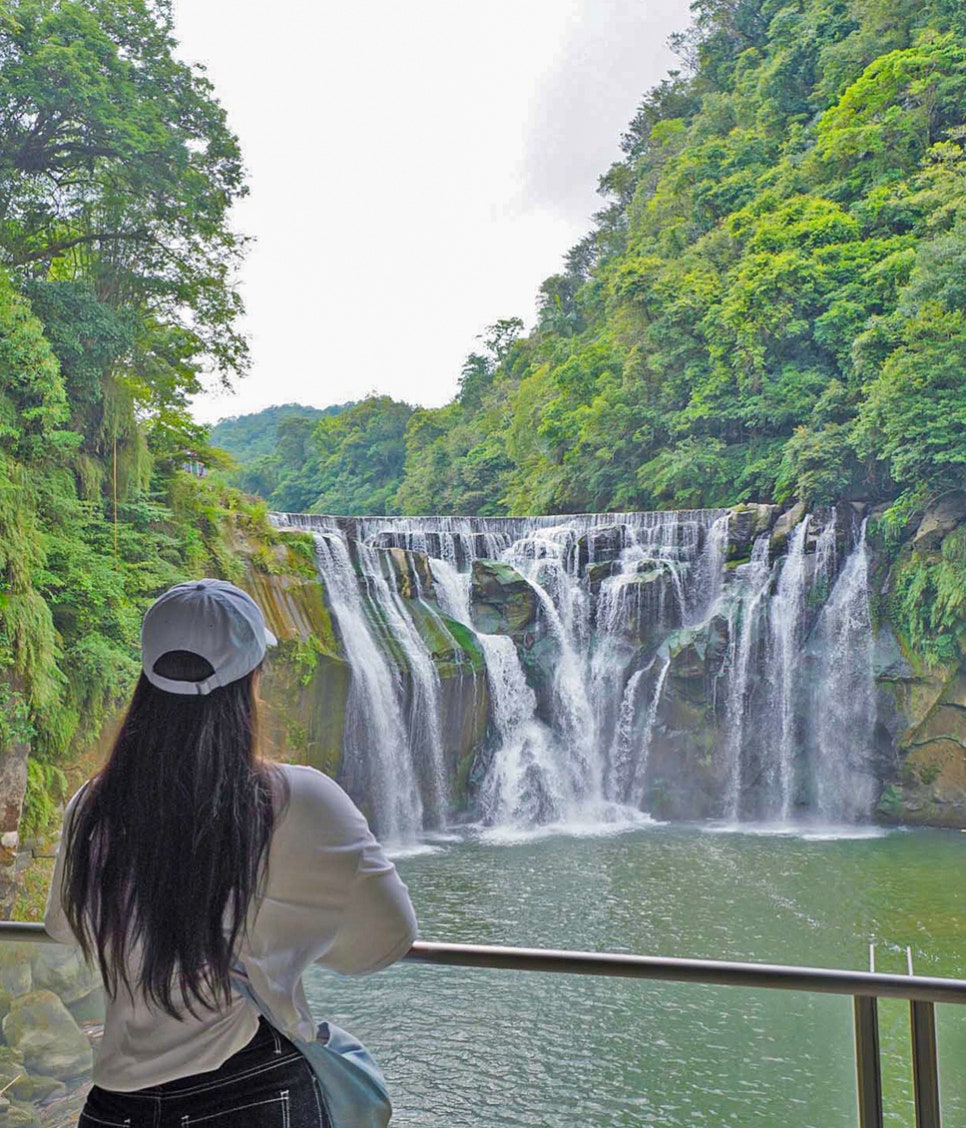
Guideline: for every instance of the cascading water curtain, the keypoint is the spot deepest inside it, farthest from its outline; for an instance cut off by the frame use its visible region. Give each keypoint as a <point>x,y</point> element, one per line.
<point>645,624</point>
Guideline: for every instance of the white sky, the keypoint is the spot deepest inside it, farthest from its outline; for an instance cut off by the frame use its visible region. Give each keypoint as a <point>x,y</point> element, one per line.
<point>416,169</point>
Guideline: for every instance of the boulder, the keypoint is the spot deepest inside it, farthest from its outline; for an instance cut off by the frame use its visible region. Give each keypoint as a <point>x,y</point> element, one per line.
<point>11,1065</point>
<point>784,527</point>
<point>90,1008</point>
<point>602,544</point>
<point>501,600</point>
<point>745,524</point>
<point>44,1031</point>
<point>597,573</point>
<point>63,970</point>
<point>15,969</point>
<point>15,1114</point>
<point>940,520</point>
<point>32,1088</point>
<point>698,653</point>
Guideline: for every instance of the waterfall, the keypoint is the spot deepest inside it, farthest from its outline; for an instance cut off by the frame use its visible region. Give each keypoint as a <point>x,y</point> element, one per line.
<point>844,705</point>
<point>622,752</point>
<point>676,660</point>
<point>376,738</point>
<point>525,785</point>
<point>787,614</point>
<point>640,766</point>
<point>755,580</point>
<point>424,737</point>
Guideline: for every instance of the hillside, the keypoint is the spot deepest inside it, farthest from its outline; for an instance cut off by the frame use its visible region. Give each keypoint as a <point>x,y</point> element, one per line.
<point>769,306</point>
<point>247,437</point>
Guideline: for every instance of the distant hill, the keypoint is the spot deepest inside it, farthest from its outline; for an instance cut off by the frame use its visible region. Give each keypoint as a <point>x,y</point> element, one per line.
<point>247,437</point>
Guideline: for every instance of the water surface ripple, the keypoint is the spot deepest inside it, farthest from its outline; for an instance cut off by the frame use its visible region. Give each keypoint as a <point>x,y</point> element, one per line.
<point>468,1047</point>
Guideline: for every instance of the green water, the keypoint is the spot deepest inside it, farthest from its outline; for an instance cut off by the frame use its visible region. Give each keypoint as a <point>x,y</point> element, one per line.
<point>476,1047</point>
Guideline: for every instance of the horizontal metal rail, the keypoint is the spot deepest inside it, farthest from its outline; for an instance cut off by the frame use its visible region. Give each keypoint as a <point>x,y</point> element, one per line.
<point>721,973</point>
<point>718,972</point>
<point>864,987</point>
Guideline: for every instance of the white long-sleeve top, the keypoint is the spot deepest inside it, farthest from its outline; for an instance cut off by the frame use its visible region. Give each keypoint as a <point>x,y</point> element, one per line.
<point>331,896</point>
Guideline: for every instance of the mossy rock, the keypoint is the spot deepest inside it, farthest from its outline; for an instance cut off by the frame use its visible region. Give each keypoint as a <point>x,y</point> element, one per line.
<point>452,646</point>
<point>90,1008</point>
<point>16,976</point>
<point>501,600</point>
<point>33,1088</point>
<point>43,1029</point>
<point>784,527</point>
<point>63,970</point>
<point>745,524</point>
<point>597,573</point>
<point>698,652</point>
<point>11,1065</point>
<point>17,1114</point>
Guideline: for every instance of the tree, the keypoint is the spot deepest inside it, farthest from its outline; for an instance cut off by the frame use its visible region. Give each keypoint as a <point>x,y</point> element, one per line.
<point>117,166</point>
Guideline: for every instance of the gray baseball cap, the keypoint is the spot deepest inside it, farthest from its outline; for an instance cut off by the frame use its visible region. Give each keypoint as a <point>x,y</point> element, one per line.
<point>211,618</point>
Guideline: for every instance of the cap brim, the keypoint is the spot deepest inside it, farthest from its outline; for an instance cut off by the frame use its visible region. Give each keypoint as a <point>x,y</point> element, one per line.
<point>270,639</point>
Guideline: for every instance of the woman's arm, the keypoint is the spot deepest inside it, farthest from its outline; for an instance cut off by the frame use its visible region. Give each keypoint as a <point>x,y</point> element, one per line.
<point>55,919</point>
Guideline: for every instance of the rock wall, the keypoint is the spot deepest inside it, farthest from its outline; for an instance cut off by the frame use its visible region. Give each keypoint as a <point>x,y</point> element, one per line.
<point>922,705</point>
<point>306,687</point>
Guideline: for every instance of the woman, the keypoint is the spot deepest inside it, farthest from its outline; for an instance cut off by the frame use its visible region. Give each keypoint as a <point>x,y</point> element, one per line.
<point>188,856</point>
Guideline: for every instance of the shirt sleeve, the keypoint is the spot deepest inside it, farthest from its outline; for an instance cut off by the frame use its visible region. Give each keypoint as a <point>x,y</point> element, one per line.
<point>55,919</point>
<point>333,897</point>
<point>378,924</point>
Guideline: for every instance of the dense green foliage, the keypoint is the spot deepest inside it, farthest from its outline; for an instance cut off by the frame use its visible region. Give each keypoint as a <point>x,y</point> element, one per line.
<point>247,437</point>
<point>117,172</point>
<point>770,305</point>
<point>269,446</point>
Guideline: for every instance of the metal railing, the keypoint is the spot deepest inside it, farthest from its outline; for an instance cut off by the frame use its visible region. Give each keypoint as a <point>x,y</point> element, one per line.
<point>865,988</point>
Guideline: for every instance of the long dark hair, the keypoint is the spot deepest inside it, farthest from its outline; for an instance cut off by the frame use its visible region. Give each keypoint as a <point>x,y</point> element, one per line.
<point>166,846</point>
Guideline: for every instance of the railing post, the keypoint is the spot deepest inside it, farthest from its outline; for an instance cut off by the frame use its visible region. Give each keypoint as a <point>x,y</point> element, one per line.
<point>867,1062</point>
<point>925,1064</point>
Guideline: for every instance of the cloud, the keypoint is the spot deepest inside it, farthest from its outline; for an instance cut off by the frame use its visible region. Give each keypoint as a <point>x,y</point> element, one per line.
<point>611,53</point>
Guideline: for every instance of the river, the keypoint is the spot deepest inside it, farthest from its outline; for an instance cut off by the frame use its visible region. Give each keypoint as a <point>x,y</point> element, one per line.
<point>488,1048</point>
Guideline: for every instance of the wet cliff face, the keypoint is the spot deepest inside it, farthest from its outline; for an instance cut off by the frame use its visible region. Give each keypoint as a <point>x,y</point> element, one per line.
<point>921,672</point>
<point>307,687</point>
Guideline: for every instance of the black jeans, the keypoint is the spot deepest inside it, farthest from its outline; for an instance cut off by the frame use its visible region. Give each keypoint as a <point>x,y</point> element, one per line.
<point>267,1084</point>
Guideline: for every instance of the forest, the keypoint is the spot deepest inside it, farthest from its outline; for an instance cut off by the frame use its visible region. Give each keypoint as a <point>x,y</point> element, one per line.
<point>117,292</point>
<point>770,306</point>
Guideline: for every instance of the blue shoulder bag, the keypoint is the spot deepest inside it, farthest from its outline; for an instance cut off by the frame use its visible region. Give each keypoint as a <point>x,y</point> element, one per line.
<point>352,1086</point>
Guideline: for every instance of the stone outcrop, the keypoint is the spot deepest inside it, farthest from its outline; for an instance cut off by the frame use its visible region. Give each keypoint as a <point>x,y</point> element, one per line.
<point>601,545</point>
<point>746,523</point>
<point>929,785</point>
<point>503,602</point>
<point>945,515</point>
<point>306,684</point>
<point>13,787</point>
<point>684,778</point>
